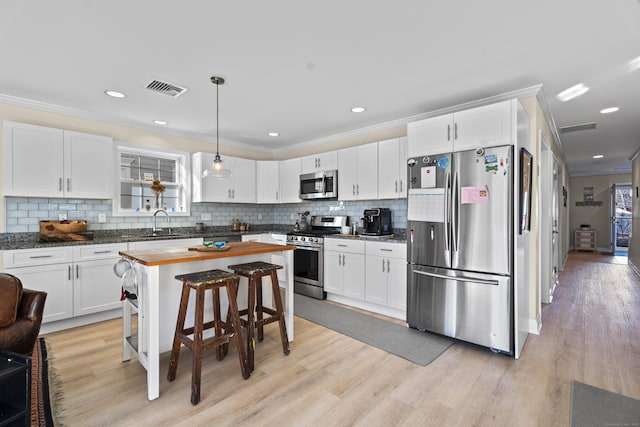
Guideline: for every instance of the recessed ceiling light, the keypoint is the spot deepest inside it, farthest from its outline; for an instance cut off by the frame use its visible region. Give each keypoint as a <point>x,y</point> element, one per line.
<point>358,109</point>
<point>598,156</point>
<point>274,134</point>
<point>160,122</point>
<point>115,93</point>
<point>635,63</point>
<point>572,92</point>
<point>609,110</point>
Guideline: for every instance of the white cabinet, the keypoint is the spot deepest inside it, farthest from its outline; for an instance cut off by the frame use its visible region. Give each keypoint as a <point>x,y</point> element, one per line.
<point>320,162</point>
<point>267,181</point>
<point>290,180</point>
<point>486,126</point>
<point>392,168</point>
<point>344,267</point>
<point>585,240</point>
<point>95,287</point>
<point>358,172</point>
<point>239,188</point>
<point>47,162</point>
<point>78,280</point>
<point>386,276</point>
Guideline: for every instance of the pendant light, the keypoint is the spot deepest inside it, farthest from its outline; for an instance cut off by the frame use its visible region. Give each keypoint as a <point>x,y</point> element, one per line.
<point>217,169</point>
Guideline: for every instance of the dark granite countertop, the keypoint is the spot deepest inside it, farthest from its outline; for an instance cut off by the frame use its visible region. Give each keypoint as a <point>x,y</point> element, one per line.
<point>9,241</point>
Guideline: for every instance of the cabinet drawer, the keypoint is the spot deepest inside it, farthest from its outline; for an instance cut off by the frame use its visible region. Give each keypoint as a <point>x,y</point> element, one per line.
<point>91,252</point>
<point>344,245</point>
<point>385,249</point>
<point>30,257</point>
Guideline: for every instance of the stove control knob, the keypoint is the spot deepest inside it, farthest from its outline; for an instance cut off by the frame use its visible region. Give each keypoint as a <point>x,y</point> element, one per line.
<point>315,240</point>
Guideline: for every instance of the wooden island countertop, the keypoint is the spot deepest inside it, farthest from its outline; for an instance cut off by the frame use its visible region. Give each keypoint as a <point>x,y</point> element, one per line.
<point>153,257</point>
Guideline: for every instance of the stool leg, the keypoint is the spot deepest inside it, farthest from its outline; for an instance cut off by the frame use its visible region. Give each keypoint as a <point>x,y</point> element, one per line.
<point>280,310</point>
<point>197,346</point>
<point>175,349</point>
<point>251,306</point>
<point>259,313</point>
<point>232,289</point>
<point>217,322</point>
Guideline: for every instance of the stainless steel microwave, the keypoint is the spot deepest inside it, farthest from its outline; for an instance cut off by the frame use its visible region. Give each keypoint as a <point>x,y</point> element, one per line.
<point>319,185</point>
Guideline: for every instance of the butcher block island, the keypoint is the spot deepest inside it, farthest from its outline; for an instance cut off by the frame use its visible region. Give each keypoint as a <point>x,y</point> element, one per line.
<point>158,296</point>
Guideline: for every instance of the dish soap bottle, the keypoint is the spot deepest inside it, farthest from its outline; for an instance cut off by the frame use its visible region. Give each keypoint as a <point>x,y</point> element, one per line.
<point>147,205</point>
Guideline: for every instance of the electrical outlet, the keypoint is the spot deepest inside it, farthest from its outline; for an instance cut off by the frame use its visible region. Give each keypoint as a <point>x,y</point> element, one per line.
<point>102,218</point>
<point>62,217</point>
<point>206,217</point>
<point>259,216</point>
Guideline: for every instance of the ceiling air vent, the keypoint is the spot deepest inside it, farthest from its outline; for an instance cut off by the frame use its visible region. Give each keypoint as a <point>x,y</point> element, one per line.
<point>166,88</point>
<point>585,126</point>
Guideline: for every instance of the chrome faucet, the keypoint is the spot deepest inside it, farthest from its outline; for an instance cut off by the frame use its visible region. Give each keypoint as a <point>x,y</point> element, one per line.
<point>155,218</point>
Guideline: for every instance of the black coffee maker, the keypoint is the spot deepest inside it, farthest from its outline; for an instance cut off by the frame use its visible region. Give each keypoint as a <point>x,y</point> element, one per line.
<point>377,222</point>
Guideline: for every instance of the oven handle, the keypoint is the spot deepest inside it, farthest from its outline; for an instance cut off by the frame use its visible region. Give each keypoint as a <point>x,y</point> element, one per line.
<point>308,248</point>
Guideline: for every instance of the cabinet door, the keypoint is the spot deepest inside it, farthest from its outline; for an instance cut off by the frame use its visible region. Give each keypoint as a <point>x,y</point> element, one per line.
<point>290,180</point>
<point>333,272</point>
<point>95,287</point>
<point>267,181</point>
<point>376,280</point>
<point>487,126</point>
<point>388,169</point>
<point>353,279</point>
<point>430,136</point>
<point>347,173</point>
<point>397,283</point>
<point>367,168</point>
<point>57,281</point>
<point>244,181</point>
<point>320,162</point>
<point>33,160</point>
<point>209,189</point>
<point>88,166</point>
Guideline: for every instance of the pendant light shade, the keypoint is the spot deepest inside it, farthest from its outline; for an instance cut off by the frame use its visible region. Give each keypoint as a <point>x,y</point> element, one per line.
<point>217,169</point>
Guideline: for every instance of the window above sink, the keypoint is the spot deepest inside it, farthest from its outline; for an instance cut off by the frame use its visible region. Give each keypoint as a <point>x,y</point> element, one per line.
<point>138,167</point>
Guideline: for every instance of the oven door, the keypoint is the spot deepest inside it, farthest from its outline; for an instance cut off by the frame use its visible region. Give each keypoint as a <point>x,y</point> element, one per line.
<point>308,271</point>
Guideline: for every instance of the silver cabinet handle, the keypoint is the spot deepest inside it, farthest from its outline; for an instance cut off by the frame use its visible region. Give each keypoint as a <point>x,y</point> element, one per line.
<point>401,186</point>
<point>455,131</point>
<point>388,266</point>
<point>233,192</point>
<point>68,184</point>
<point>386,250</point>
<point>77,274</point>
<point>40,256</point>
<point>357,188</point>
<point>354,190</point>
<point>69,272</point>
<point>60,184</point>
<point>277,196</point>
<point>383,266</point>
<point>448,132</point>
<point>396,186</point>
<point>101,252</point>
<point>344,259</point>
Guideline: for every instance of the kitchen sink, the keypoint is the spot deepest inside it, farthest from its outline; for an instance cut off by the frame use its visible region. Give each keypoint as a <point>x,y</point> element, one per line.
<point>158,236</point>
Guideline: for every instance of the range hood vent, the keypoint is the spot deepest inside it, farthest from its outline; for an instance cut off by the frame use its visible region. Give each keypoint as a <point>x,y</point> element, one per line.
<point>166,88</point>
<point>584,126</point>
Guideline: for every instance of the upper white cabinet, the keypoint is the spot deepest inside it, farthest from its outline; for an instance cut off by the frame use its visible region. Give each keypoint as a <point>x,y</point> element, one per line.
<point>486,126</point>
<point>47,162</point>
<point>290,180</point>
<point>268,181</point>
<point>239,188</point>
<point>392,168</point>
<point>358,172</point>
<point>320,162</point>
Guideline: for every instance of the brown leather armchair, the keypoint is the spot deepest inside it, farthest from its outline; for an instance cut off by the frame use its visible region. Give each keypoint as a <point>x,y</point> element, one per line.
<point>20,315</point>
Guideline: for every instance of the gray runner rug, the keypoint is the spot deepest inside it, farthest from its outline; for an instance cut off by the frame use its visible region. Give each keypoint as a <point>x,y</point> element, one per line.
<point>418,347</point>
<point>592,406</point>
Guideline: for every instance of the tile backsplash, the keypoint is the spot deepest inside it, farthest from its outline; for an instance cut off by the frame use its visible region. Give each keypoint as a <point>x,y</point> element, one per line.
<point>23,214</point>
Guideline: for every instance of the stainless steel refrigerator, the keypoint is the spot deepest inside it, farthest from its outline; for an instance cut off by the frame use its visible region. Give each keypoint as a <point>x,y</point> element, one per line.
<point>460,246</point>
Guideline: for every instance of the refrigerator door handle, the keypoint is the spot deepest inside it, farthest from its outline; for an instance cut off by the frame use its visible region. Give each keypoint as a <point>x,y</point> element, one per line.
<point>447,209</point>
<point>455,210</point>
<point>459,279</point>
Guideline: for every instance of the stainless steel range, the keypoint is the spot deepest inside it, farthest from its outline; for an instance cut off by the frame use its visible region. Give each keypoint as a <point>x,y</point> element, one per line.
<point>308,258</point>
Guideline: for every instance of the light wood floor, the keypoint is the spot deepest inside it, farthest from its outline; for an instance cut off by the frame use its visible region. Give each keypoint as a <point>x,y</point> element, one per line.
<point>590,334</point>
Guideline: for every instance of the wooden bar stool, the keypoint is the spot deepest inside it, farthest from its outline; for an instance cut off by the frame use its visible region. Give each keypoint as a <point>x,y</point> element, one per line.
<point>200,282</point>
<point>255,271</point>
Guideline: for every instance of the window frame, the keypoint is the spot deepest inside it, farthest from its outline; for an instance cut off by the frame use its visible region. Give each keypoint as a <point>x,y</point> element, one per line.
<point>183,177</point>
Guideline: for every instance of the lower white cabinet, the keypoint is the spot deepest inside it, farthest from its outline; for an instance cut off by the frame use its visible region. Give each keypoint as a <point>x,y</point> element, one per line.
<point>386,278</point>
<point>78,280</point>
<point>344,267</point>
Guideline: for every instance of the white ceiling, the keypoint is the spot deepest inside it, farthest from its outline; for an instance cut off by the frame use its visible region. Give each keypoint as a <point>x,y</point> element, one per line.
<point>298,67</point>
